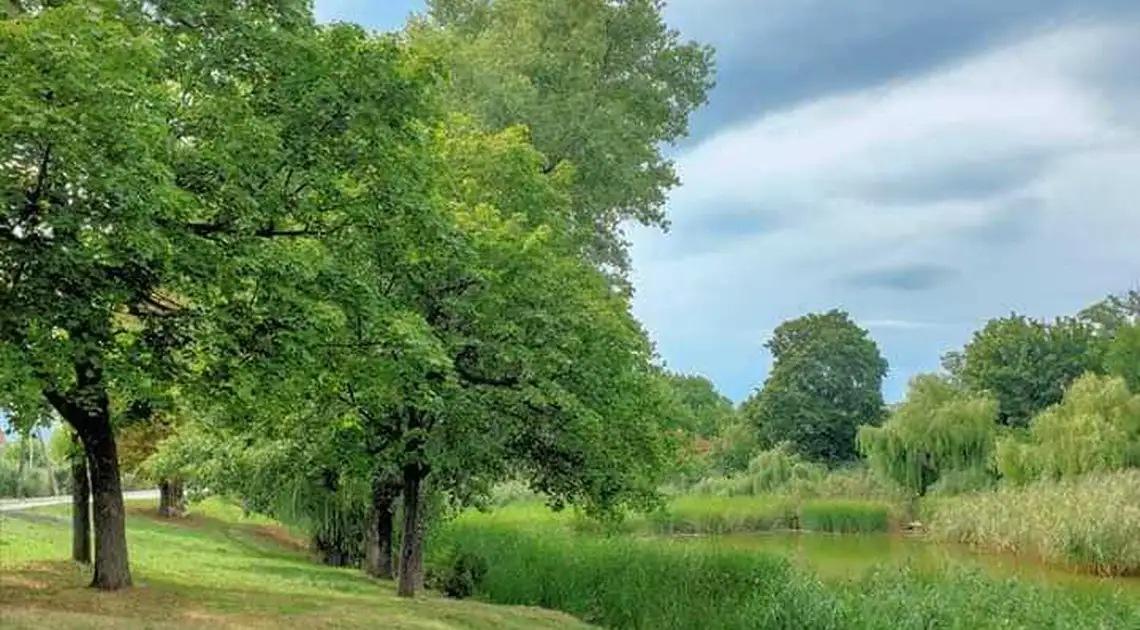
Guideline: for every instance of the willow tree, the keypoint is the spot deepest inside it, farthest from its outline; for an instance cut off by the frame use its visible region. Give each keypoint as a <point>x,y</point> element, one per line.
<point>938,430</point>
<point>1095,428</point>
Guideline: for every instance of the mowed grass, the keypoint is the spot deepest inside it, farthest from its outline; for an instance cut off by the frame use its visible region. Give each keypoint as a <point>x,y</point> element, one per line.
<point>216,569</point>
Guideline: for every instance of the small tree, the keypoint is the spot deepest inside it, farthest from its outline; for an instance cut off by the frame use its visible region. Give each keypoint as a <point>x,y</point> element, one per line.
<point>938,430</point>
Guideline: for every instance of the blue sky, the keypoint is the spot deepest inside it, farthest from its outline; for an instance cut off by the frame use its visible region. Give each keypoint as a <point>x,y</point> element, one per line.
<point>924,165</point>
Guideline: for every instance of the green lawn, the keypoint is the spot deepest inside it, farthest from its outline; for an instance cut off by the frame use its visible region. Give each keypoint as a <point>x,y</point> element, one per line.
<point>216,569</point>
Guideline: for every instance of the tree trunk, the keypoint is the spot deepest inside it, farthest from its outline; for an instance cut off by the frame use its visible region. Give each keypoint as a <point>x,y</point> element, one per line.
<point>80,507</point>
<point>411,549</point>
<point>112,570</point>
<point>171,498</point>
<point>378,553</point>
<point>87,409</point>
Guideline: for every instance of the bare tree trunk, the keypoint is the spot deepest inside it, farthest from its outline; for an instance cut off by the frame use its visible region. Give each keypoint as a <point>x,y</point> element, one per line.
<point>411,548</point>
<point>80,506</point>
<point>171,498</point>
<point>378,553</point>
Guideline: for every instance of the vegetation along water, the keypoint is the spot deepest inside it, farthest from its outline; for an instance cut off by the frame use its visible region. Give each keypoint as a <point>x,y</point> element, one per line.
<point>359,305</point>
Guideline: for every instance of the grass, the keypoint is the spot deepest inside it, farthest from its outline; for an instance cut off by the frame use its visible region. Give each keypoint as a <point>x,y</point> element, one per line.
<point>635,583</point>
<point>216,569</point>
<point>1090,523</point>
<point>710,514</point>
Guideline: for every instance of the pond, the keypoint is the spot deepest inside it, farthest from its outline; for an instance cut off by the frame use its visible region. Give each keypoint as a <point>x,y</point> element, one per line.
<point>838,556</point>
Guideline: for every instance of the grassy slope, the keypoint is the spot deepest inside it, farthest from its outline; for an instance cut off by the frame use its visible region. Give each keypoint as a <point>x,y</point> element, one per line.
<point>215,569</point>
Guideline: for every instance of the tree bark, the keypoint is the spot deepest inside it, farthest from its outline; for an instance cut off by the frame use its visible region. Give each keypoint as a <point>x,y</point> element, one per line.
<point>112,568</point>
<point>87,409</point>
<point>378,553</point>
<point>171,498</point>
<point>80,507</point>
<point>411,548</point>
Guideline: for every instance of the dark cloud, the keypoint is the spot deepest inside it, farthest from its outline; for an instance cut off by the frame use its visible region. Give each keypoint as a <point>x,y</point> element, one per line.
<point>699,232</point>
<point>912,277</point>
<point>774,54</point>
<point>964,181</point>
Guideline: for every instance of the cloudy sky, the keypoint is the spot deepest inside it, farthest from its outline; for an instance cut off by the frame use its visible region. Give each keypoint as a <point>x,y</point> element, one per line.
<point>923,165</point>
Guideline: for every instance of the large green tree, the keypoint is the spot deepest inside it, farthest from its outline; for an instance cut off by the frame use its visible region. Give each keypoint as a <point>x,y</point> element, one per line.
<point>825,381</point>
<point>601,86</point>
<point>1026,364</point>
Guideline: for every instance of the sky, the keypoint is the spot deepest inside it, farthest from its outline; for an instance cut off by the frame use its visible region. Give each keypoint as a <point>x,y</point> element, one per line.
<point>925,166</point>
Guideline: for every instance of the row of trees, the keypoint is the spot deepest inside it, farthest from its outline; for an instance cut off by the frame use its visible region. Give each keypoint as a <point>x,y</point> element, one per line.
<point>1024,400</point>
<point>354,269</point>
<point>984,415</point>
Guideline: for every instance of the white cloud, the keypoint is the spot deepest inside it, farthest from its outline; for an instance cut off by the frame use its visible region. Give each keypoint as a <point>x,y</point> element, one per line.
<point>826,167</point>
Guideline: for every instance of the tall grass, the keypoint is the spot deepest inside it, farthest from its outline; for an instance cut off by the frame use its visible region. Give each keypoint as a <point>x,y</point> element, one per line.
<point>641,584</point>
<point>1091,523</point>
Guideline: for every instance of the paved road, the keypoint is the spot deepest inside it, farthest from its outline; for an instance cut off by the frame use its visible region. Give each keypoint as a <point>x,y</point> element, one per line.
<point>12,505</point>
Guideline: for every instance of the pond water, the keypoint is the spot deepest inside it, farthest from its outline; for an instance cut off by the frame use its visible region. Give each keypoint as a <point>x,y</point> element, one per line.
<point>837,556</point>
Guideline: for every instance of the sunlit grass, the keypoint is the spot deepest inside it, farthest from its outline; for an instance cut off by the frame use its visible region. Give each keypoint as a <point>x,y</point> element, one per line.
<point>216,569</point>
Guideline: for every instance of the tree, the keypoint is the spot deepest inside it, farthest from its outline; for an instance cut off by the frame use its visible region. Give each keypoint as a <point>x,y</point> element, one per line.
<point>171,169</point>
<point>1122,357</point>
<point>1026,364</point>
<point>704,411</point>
<point>826,381</point>
<point>600,86</point>
<point>938,430</point>
<point>1095,428</point>
<point>1111,313</point>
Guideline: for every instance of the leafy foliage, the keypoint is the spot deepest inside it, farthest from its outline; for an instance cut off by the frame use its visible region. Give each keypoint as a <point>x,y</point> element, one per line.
<point>601,87</point>
<point>1096,428</point>
<point>826,381</point>
<point>937,431</point>
<point>1027,364</point>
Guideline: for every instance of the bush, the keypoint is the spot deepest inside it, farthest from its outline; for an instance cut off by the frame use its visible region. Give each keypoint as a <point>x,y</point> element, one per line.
<point>1095,428</point>
<point>458,576</point>
<point>1091,523</point>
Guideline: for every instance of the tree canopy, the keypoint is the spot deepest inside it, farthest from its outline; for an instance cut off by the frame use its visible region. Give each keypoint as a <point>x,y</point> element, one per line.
<point>825,381</point>
<point>1026,364</point>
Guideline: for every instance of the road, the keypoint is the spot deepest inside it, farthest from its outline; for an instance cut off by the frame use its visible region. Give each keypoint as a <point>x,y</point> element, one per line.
<point>12,505</point>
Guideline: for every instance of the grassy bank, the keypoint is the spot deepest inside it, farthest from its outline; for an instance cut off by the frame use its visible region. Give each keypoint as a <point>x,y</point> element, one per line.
<point>1090,523</point>
<point>709,514</point>
<point>635,583</point>
<point>217,570</point>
